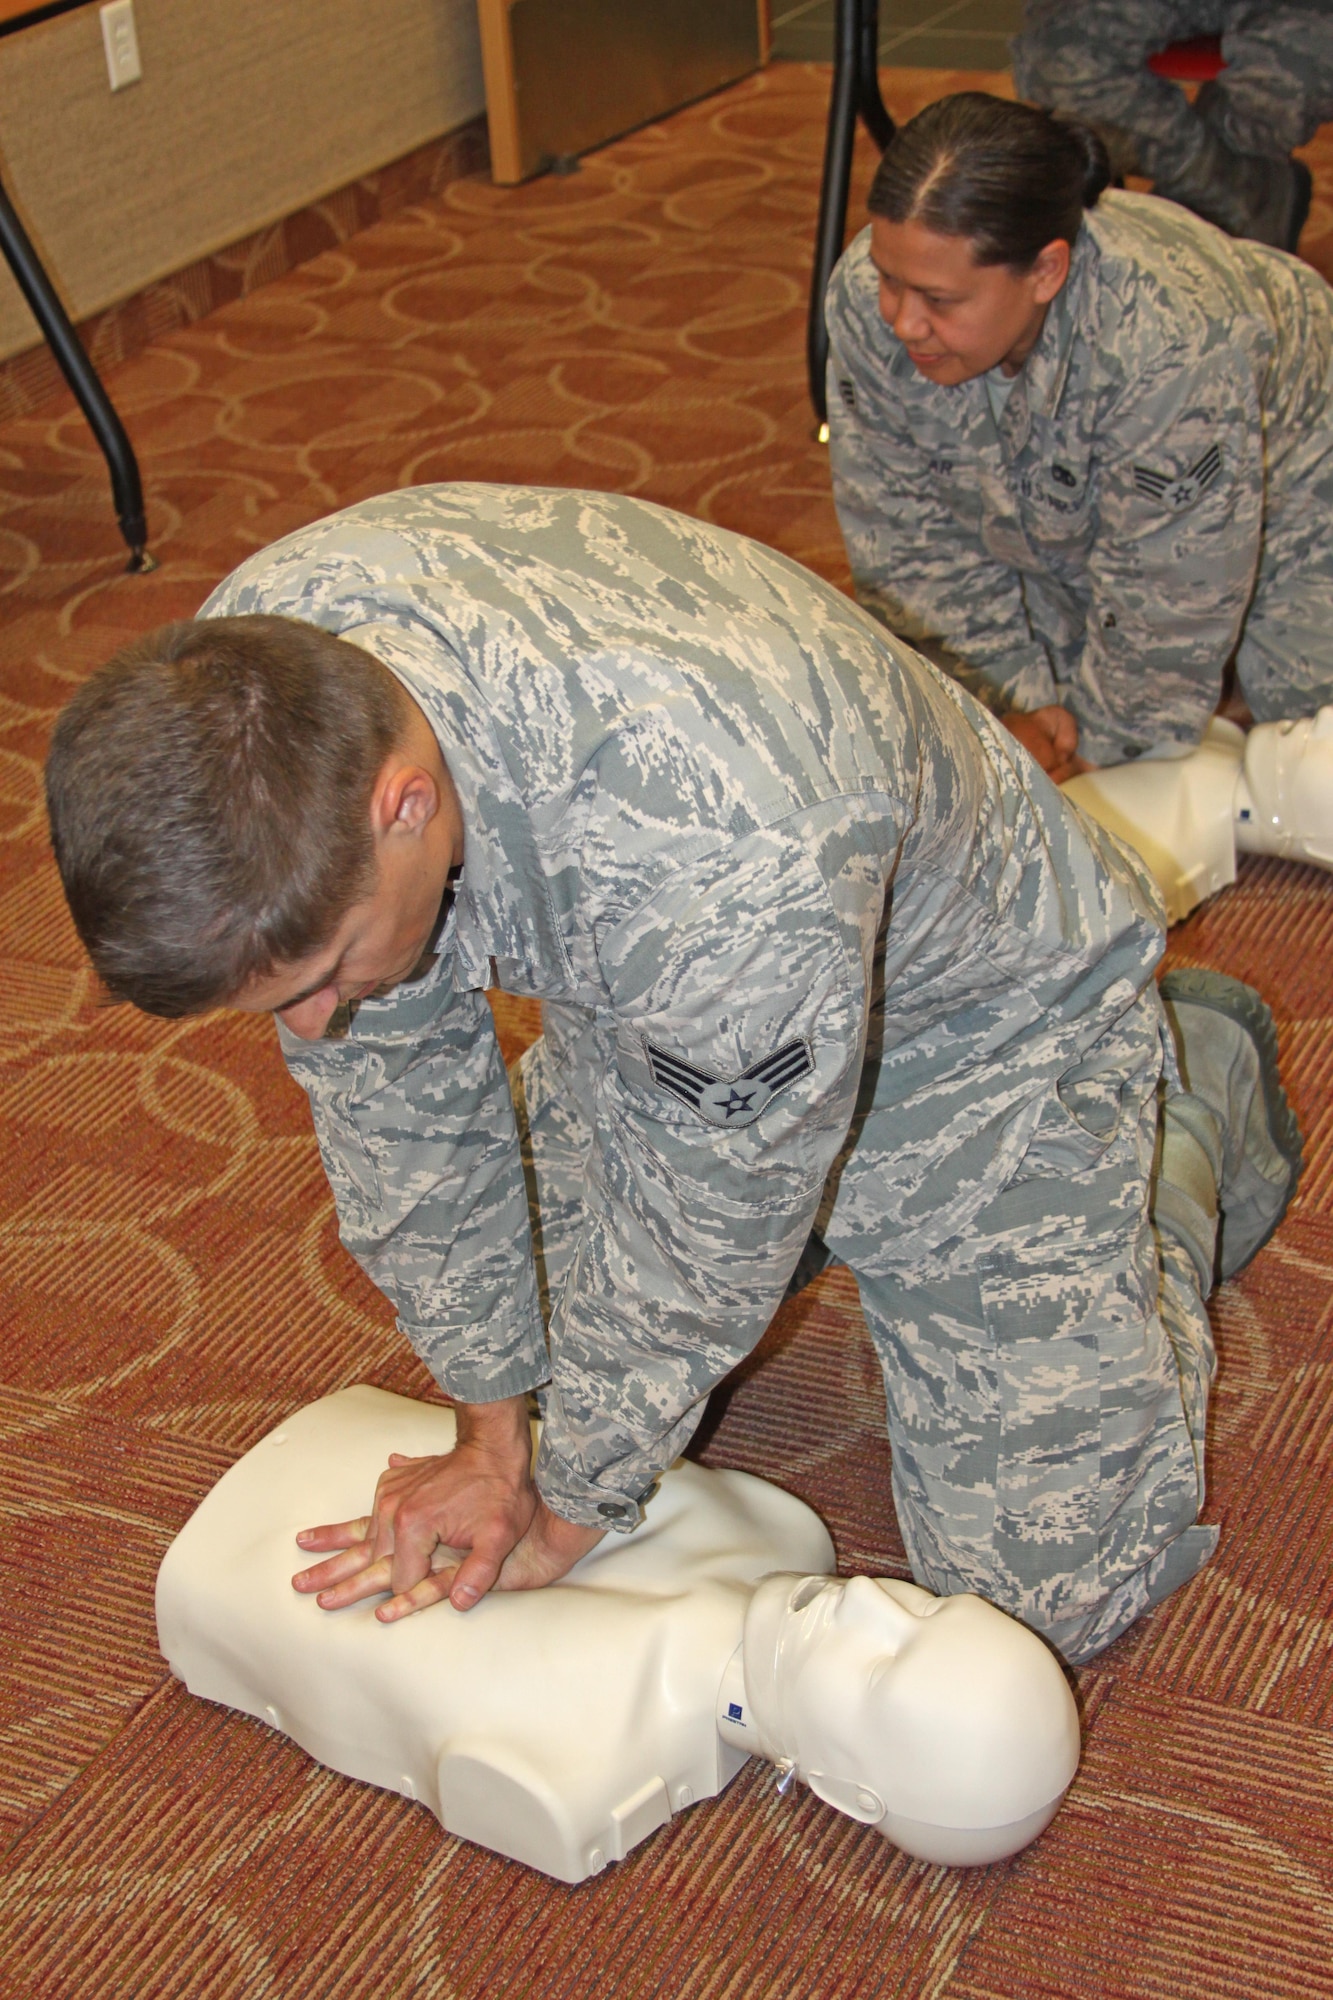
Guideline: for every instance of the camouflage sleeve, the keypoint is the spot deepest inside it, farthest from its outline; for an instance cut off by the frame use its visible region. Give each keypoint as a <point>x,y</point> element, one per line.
<point>416,1130</point>
<point>739,996</point>
<point>1180,481</point>
<point>914,564</point>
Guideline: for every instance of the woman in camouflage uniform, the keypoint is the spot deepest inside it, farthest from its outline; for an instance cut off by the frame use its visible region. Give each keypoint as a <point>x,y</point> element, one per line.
<point>1081,443</point>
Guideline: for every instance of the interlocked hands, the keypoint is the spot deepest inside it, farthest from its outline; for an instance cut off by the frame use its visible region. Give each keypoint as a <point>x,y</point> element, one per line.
<point>450,1527</point>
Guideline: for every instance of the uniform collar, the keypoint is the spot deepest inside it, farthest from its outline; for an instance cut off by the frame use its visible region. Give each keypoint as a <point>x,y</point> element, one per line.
<point>1041,380</point>
<point>501,911</point>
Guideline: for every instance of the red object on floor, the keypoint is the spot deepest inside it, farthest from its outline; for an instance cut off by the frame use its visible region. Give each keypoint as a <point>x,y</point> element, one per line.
<point>1196,61</point>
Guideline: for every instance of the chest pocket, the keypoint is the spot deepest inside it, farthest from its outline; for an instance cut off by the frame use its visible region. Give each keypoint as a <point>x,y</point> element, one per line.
<point>1056,499</point>
<point>960,490</point>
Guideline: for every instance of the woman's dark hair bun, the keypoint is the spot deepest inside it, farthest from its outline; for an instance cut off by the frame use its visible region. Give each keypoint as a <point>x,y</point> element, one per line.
<point>1097,161</point>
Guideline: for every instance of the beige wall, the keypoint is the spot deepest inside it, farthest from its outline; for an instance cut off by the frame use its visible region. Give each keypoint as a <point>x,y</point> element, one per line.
<point>247,110</point>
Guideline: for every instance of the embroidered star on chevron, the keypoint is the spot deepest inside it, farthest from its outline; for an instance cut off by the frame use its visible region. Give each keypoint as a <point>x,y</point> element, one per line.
<point>1178,493</point>
<point>730,1101</point>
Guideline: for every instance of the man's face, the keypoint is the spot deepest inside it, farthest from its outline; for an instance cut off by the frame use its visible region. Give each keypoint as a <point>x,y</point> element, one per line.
<point>417,828</point>
<point>957,318</point>
<point>379,943</point>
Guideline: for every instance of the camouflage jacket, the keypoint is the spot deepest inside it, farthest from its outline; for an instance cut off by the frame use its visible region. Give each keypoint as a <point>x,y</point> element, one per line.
<point>689,773</point>
<point>1099,545</point>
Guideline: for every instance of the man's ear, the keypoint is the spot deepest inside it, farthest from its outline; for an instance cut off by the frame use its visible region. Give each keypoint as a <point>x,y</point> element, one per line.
<point>405,800</point>
<point>1049,269</point>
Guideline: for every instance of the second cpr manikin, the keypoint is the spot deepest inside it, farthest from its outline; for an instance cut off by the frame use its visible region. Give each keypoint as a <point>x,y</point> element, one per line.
<point>1268,792</point>
<point>561,1726</point>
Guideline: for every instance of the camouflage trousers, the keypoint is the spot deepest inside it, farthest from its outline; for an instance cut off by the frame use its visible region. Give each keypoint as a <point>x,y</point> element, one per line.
<point>1284,661</point>
<point>1090,62</point>
<point>1047,1375</point>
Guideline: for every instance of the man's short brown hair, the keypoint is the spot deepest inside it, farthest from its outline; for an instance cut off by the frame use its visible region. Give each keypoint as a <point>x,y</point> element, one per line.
<point>209,794</point>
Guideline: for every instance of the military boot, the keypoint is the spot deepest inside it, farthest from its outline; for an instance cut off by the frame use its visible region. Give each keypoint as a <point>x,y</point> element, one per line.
<point>1236,1113</point>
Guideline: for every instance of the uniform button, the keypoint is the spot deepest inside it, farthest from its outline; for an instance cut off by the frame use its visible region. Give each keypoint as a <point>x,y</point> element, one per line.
<point>612,1510</point>
<point>1108,622</point>
<point>1131,749</point>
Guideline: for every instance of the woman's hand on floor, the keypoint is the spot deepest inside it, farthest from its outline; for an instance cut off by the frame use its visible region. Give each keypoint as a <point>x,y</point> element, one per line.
<point>1051,736</point>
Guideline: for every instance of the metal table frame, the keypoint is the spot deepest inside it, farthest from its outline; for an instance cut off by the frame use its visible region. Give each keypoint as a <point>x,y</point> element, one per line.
<point>855,94</point>
<point>69,351</point>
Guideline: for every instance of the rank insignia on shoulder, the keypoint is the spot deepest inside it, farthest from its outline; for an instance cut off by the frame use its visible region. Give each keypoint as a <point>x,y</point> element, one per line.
<point>730,1100</point>
<point>1179,493</point>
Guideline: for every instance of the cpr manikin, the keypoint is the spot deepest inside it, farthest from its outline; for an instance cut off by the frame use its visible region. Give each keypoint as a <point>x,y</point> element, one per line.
<point>1268,792</point>
<point>561,1726</point>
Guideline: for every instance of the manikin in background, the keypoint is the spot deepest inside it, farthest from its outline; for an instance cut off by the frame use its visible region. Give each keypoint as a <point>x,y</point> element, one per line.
<point>561,1726</point>
<point>1268,792</point>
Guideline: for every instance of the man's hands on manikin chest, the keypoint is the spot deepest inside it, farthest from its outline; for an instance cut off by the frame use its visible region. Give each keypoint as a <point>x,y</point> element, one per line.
<point>450,1527</point>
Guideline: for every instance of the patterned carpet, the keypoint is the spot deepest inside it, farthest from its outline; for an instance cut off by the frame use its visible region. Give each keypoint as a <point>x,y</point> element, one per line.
<point>172,1283</point>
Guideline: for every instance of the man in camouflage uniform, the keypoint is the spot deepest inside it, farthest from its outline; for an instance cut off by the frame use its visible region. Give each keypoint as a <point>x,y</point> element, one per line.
<point>1154,495</point>
<point>813,937</point>
<point>1228,155</point>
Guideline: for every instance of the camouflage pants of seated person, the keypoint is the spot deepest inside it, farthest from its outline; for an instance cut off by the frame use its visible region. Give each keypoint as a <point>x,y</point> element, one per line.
<point>1215,154</point>
<point>1046,1372</point>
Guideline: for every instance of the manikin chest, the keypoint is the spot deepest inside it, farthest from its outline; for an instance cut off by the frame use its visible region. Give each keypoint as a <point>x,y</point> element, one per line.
<point>558,1727</point>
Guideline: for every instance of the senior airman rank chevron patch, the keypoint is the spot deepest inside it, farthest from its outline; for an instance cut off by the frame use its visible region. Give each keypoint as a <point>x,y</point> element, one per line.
<point>730,1100</point>
<point>1177,493</point>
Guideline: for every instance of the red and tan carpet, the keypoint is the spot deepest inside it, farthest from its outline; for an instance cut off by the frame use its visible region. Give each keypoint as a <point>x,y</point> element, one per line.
<point>170,1281</point>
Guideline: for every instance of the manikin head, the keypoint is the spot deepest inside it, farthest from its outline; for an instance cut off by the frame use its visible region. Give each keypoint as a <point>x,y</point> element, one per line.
<point>940,1721</point>
<point>974,210</point>
<point>1285,798</point>
<point>250,811</point>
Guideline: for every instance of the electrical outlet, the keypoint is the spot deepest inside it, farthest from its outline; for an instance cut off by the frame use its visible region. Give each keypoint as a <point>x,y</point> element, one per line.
<point>121,42</point>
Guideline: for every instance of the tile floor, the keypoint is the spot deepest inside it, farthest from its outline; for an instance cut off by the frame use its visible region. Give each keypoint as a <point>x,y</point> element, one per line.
<point>913,34</point>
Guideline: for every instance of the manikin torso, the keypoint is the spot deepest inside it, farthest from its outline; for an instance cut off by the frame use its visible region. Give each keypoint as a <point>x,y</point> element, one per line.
<point>558,1726</point>
<point>561,1726</point>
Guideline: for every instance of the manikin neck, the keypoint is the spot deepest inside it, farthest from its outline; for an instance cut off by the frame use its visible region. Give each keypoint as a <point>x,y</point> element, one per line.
<point>754,1711</point>
<point>750,1710</point>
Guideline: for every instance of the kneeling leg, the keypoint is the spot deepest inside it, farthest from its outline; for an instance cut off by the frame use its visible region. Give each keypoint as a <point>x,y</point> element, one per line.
<point>1046,1406</point>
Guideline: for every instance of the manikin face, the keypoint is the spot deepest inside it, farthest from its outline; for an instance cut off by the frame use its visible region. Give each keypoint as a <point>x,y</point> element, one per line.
<point>418,833</point>
<point>892,1702</point>
<point>957,318</point>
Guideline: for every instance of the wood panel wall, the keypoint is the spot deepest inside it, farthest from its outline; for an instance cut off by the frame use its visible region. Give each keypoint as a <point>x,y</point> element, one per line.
<point>248,109</point>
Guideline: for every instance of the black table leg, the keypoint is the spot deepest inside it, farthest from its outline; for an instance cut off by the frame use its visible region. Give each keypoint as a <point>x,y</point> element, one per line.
<point>83,379</point>
<point>855,91</point>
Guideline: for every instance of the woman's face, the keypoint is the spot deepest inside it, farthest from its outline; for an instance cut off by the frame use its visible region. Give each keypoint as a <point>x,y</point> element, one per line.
<point>957,318</point>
